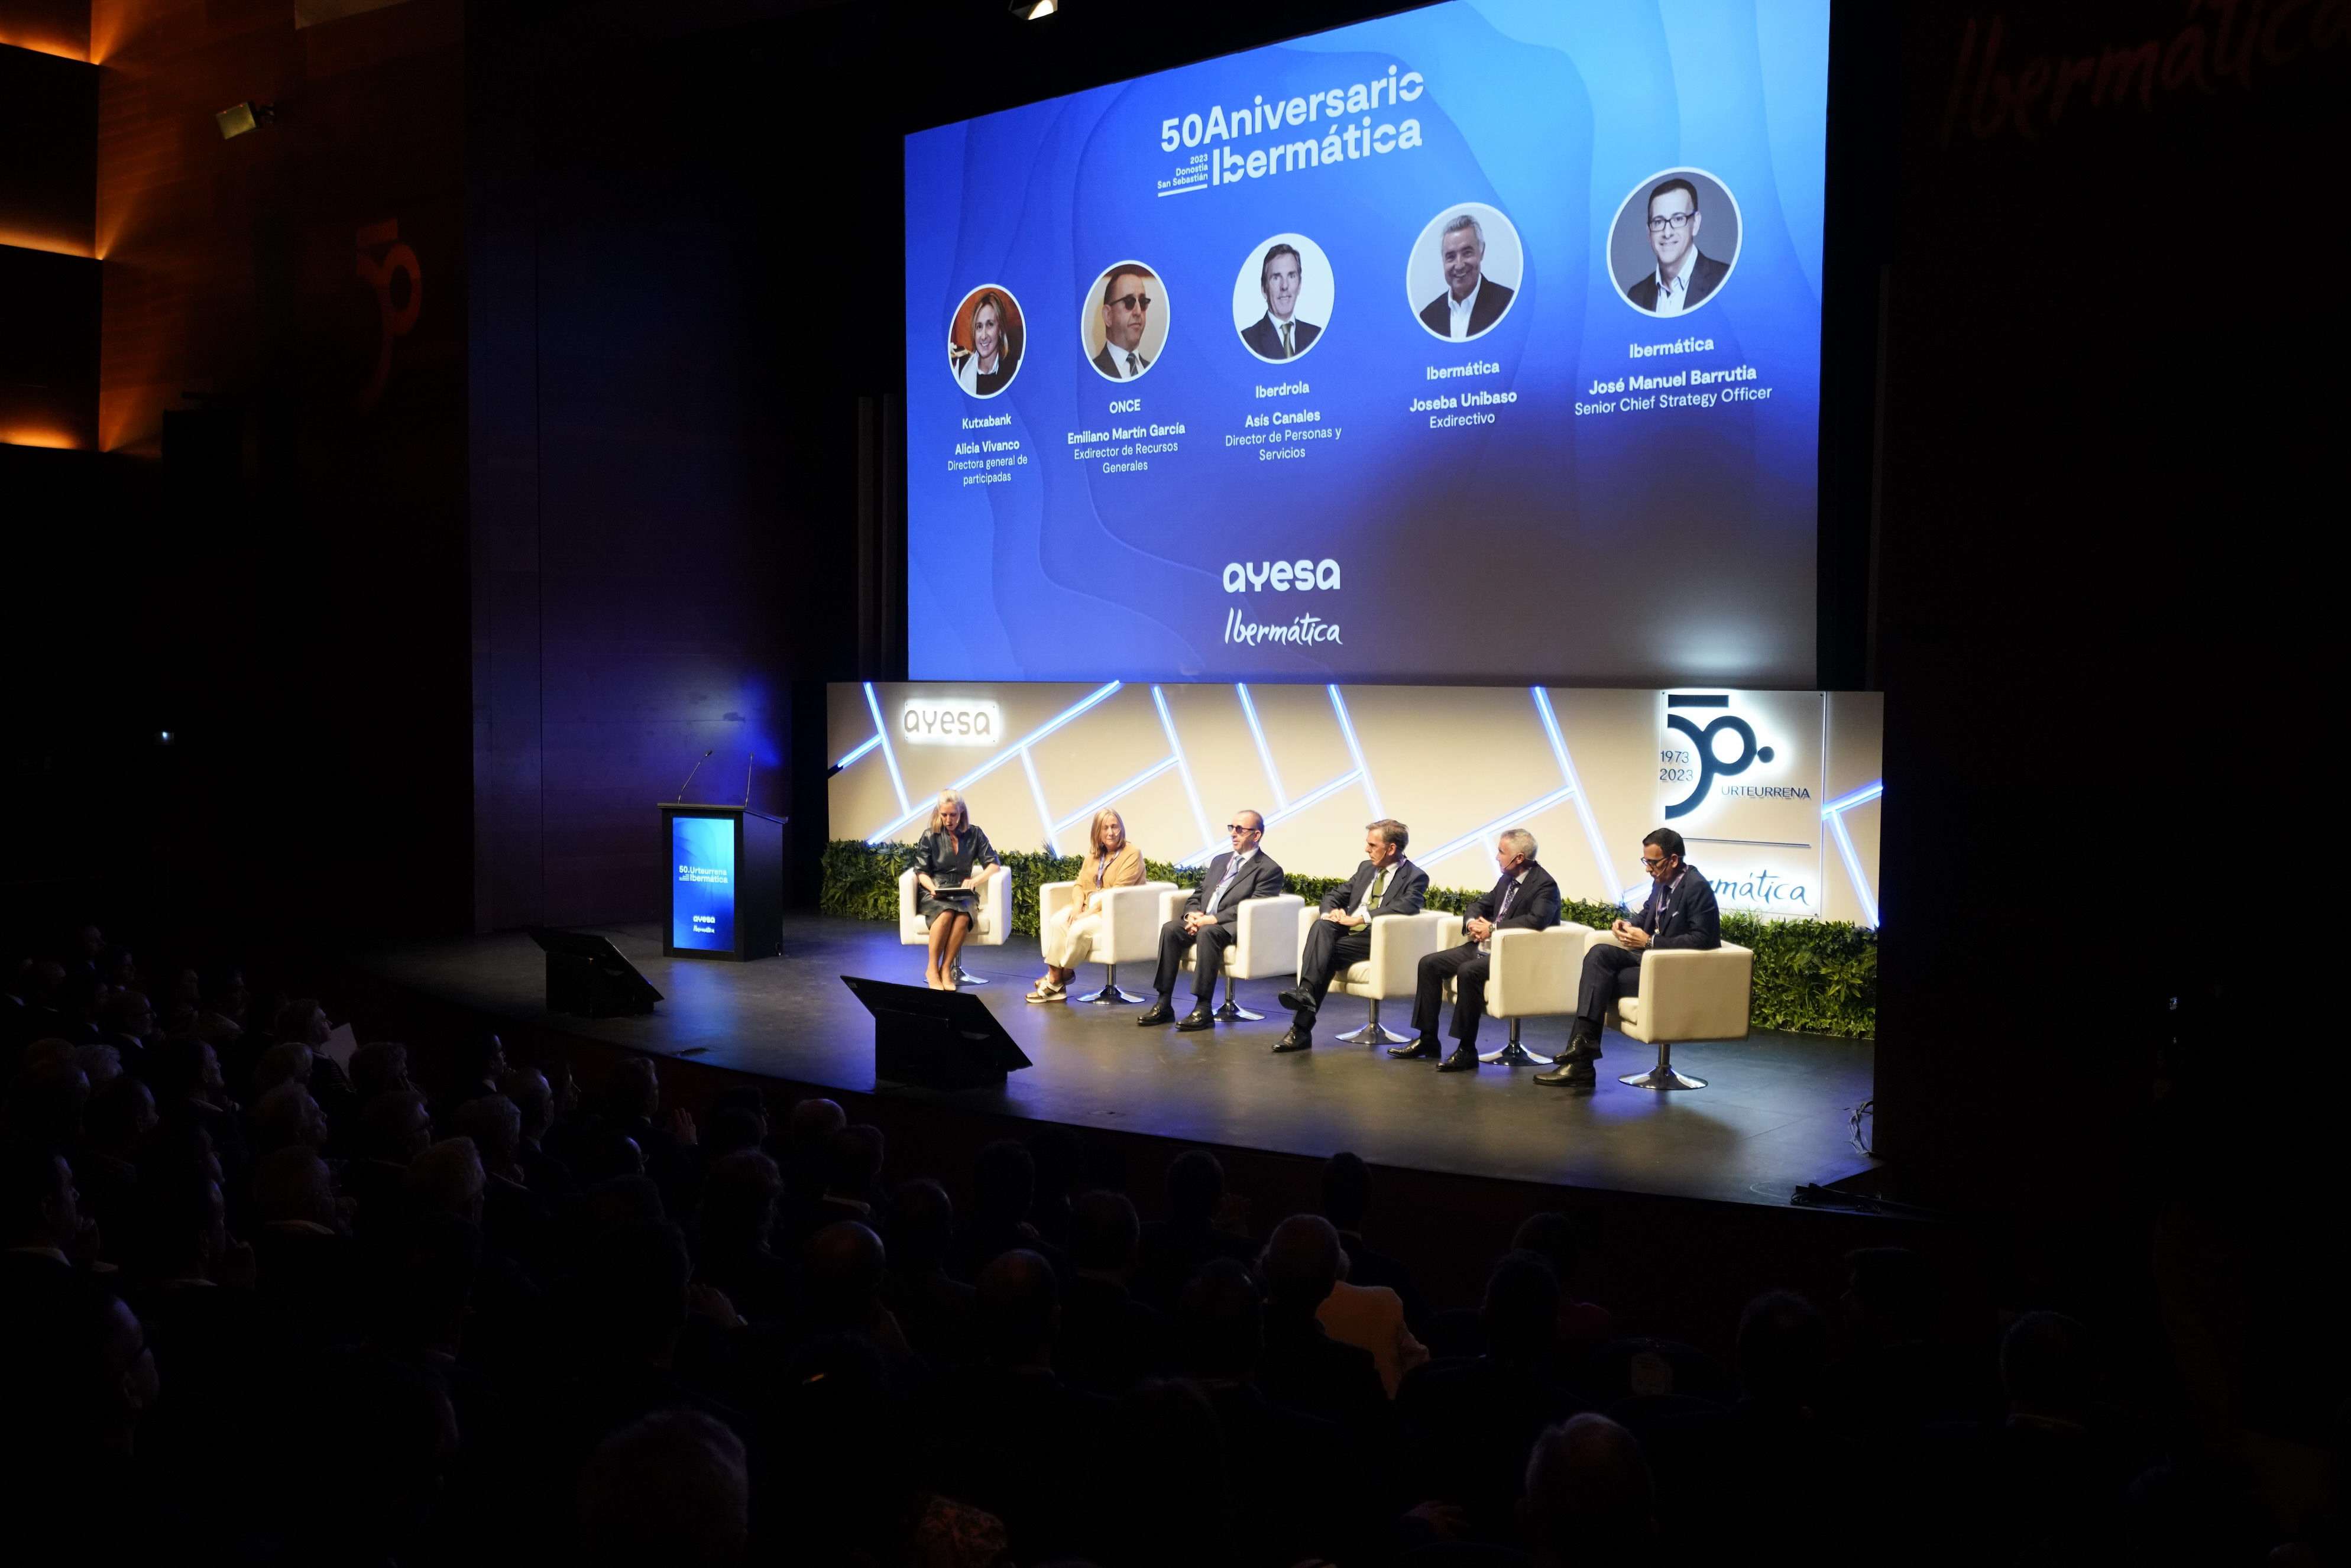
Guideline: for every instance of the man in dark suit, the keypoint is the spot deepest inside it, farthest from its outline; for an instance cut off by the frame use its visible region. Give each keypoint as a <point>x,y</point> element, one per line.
<point>1472,302</point>
<point>1386,883</point>
<point>1125,310</point>
<point>1680,912</point>
<point>1276,335</point>
<point>1684,275</point>
<point>1525,899</point>
<point>1211,920</point>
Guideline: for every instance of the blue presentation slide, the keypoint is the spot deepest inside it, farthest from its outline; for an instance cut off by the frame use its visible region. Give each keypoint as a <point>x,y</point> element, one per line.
<point>702,905</point>
<point>1481,342</point>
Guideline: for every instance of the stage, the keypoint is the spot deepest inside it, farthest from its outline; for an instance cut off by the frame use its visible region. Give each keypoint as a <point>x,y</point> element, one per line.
<point>1774,1117</point>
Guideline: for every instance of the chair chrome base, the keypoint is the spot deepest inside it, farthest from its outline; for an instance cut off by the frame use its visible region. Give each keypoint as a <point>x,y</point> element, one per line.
<point>965,977</point>
<point>1662,1076</point>
<point>1514,1054</point>
<point>1231,1011</point>
<point>1110,993</point>
<point>1373,1033</point>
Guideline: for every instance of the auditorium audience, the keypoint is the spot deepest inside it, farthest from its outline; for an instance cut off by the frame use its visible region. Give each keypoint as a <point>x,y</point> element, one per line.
<point>496,1327</point>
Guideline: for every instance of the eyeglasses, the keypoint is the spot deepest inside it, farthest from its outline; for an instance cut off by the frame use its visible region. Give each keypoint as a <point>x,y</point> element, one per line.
<point>1653,862</point>
<point>1676,220</point>
<point>1237,828</point>
<point>1132,301</point>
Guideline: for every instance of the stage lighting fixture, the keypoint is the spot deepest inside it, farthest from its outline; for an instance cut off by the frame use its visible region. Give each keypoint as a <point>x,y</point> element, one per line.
<point>239,117</point>
<point>1033,10</point>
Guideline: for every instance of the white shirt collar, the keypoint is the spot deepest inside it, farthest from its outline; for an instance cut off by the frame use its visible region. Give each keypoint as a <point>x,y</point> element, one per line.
<point>1461,308</point>
<point>1118,360</point>
<point>1673,293</point>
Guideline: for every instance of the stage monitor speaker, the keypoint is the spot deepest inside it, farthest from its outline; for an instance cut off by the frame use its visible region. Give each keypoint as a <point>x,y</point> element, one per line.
<point>587,976</point>
<point>934,1040</point>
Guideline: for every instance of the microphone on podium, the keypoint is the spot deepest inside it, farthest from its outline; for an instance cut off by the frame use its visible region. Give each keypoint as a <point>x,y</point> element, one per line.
<point>692,771</point>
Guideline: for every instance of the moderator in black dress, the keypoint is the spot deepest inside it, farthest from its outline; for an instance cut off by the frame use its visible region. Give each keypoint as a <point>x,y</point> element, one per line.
<point>948,858</point>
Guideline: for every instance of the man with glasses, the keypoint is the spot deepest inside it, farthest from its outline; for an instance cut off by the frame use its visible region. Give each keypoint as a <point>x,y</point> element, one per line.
<point>1680,912</point>
<point>1209,921</point>
<point>1526,898</point>
<point>1683,276</point>
<point>1126,305</point>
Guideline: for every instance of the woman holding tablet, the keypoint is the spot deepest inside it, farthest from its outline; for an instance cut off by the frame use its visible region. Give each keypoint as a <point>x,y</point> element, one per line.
<point>1111,862</point>
<point>952,860</point>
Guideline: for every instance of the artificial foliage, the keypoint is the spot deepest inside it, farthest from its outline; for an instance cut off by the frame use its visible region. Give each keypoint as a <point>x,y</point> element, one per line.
<point>1811,976</point>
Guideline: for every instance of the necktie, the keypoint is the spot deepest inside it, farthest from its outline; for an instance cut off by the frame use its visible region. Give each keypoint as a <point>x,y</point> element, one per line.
<point>1131,369</point>
<point>1289,343</point>
<point>1379,885</point>
<point>1217,897</point>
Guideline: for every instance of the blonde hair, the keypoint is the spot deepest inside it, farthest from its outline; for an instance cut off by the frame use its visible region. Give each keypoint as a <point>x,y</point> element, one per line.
<point>949,801</point>
<point>1093,834</point>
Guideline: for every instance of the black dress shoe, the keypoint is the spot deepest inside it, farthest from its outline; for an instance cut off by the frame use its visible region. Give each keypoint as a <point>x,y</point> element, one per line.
<point>1463,1059</point>
<point>1421,1050</point>
<point>1295,998</point>
<point>1157,1012</point>
<point>1569,1075</point>
<point>1199,1017</point>
<point>1296,1039</point>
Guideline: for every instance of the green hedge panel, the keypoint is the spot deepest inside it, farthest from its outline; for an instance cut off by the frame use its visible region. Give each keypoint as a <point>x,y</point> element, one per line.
<point>1814,977</point>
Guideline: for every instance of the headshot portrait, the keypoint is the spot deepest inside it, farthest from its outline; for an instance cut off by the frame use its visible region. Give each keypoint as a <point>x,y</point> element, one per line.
<point>983,341</point>
<point>1123,323</point>
<point>1674,243</point>
<point>1463,271</point>
<point>1281,297</point>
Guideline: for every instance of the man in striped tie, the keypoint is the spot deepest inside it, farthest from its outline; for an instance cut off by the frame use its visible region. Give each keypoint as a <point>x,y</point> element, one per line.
<point>1279,334</point>
<point>1340,936</point>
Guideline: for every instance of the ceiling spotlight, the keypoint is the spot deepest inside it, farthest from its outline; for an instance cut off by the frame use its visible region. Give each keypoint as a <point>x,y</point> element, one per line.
<point>239,117</point>
<point>1033,10</point>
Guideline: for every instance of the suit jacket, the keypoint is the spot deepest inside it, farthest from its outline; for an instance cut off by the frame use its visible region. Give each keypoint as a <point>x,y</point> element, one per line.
<point>1259,879</point>
<point>1685,918</point>
<point>1107,366</point>
<point>1535,908</point>
<point>1407,886</point>
<point>1706,276</point>
<point>1264,337</point>
<point>1125,869</point>
<point>1492,301</point>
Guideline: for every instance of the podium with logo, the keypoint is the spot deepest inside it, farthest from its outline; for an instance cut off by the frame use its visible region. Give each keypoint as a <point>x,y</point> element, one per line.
<point>726,881</point>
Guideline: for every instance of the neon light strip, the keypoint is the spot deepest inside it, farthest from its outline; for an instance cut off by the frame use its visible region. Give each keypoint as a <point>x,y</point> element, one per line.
<point>987,768</point>
<point>1592,834</point>
<point>1037,793</point>
<point>1203,857</point>
<point>889,754</point>
<point>1860,797</point>
<point>870,742</point>
<point>1347,728</point>
<point>1085,812</point>
<point>1184,767</point>
<point>1861,890</point>
<point>1264,753</point>
<point>1490,829</point>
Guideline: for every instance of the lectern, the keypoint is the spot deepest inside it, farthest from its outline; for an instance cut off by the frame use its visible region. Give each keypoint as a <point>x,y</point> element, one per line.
<point>726,881</point>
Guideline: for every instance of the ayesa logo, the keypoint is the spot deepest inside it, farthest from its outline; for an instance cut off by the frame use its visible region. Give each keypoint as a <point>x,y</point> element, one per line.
<point>1282,576</point>
<point>949,721</point>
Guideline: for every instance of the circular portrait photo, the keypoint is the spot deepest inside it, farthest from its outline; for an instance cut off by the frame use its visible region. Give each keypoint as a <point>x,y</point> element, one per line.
<point>1281,297</point>
<point>1123,323</point>
<point>984,341</point>
<point>1674,243</point>
<point>1463,271</point>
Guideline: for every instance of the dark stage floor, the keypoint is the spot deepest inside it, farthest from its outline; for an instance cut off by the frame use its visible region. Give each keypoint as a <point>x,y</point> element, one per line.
<point>1774,1117</point>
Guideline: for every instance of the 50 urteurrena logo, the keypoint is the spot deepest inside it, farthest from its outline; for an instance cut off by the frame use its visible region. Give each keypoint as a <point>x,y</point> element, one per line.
<point>1704,762</point>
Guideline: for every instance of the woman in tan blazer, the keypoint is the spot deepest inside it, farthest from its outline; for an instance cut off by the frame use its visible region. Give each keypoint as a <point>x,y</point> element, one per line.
<point>1111,862</point>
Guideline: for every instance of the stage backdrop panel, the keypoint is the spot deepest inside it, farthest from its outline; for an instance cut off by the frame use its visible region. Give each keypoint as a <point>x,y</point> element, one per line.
<point>1777,793</point>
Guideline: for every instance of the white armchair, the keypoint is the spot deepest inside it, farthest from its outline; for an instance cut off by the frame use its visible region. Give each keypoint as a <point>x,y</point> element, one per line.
<point>1265,940</point>
<point>1130,932</point>
<point>1535,974</point>
<point>1399,942</point>
<point>1686,993</point>
<point>989,926</point>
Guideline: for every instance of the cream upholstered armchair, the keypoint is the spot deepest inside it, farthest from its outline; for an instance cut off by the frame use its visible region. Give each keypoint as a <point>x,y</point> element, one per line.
<point>1130,932</point>
<point>1265,943</point>
<point>1686,993</point>
<point>1535,974</point>
<point>1399,942</point>
<point>989,926</point>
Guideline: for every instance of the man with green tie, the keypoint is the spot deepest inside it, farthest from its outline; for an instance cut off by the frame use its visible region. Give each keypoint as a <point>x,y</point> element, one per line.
<point>1340,936</point>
